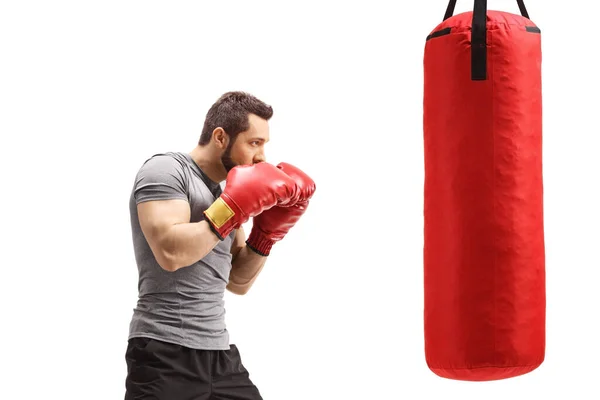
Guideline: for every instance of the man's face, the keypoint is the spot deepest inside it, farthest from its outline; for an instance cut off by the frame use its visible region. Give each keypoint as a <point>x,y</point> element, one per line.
<point>249,146</point>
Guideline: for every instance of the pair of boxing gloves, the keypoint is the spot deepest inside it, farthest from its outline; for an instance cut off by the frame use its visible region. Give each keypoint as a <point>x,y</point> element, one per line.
<point>274,196</point>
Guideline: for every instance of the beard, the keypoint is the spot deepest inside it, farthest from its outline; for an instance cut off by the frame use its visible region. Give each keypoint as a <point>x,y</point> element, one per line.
<point>228,163</point>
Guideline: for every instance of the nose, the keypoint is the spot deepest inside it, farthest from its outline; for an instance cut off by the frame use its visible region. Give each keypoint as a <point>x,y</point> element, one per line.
<point>260,158</point>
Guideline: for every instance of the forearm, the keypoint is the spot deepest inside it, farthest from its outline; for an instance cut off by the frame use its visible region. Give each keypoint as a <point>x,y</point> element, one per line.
<point>185,244</point>
<point>245,268</point>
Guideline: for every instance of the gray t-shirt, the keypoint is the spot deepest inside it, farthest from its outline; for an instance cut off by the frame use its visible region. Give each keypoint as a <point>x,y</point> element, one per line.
<point>184,307</point>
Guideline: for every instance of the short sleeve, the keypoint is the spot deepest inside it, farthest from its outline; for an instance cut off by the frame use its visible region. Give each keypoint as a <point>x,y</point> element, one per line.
<point>160,178</point>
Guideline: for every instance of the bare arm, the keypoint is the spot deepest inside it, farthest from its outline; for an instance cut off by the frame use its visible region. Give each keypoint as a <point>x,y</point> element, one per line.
<point>175,241</point>
<point>245,266</point>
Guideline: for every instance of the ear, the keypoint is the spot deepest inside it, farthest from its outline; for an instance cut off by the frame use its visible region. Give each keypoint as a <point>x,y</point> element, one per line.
<point>220,138</point>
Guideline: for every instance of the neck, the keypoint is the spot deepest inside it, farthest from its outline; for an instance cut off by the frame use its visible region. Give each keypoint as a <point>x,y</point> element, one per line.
<point>209,162</point>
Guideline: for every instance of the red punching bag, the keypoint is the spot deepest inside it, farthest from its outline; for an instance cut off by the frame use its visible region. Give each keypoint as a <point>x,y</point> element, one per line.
<point>484,261</point>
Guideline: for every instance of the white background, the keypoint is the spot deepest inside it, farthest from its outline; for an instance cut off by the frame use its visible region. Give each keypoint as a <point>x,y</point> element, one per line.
<point>89,90</point>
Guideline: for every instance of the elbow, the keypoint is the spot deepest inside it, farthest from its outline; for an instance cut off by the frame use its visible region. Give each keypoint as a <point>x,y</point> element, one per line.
<point>240,290</point>
<point>167,262</point>
<point>169,257</point>
<point>168,267</point>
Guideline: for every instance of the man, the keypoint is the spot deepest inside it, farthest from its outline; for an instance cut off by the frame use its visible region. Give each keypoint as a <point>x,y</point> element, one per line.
<point>189,247</point>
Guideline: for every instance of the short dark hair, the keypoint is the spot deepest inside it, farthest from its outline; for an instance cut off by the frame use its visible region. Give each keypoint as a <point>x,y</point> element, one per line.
<point>230,112</point>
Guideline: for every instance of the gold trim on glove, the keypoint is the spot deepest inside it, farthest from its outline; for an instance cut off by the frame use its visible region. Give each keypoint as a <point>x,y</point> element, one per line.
<point>219,213</point>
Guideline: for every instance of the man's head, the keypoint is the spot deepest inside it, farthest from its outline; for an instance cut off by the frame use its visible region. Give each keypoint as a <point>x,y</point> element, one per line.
<point>237,126</point>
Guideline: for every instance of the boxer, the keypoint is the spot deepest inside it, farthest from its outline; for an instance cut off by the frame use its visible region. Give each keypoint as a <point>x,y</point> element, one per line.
<point>190,247</point>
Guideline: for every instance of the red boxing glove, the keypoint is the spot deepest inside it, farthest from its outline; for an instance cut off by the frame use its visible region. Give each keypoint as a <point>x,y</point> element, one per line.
<point>273,224</point>
<point>305,183</point>
<point>250,190</point>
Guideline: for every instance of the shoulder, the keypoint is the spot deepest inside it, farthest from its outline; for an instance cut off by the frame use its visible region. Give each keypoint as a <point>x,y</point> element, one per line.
<point>163,164</point>
<point>167,160</point>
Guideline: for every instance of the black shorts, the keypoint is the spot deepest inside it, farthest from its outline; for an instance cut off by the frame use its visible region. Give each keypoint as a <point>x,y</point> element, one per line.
<point>158,370</point>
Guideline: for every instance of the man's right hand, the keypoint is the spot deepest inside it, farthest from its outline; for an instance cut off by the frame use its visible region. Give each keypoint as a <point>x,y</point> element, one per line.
<point>250,190</point>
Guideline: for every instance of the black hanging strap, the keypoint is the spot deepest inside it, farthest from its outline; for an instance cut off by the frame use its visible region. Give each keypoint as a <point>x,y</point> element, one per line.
<point>523,9</point>
<point>479,35</point>
<point>452,4</point>
<point>478,41</point>
<point>450,9</point>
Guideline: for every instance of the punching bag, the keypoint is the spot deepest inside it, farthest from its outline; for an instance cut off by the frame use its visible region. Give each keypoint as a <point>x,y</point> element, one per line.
<point>484,261</point>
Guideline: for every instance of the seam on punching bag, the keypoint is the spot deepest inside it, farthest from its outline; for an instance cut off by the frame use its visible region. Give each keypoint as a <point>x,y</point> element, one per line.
<point>494,247</point>
<point>533,29</point>
<point>441,32</point>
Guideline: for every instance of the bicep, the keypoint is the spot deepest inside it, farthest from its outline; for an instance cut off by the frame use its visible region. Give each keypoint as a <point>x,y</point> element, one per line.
<point>158,216</point>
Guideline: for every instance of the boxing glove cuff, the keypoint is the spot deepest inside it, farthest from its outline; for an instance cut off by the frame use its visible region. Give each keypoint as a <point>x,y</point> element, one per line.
<point>223,216</point>
<point>259,243</point>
